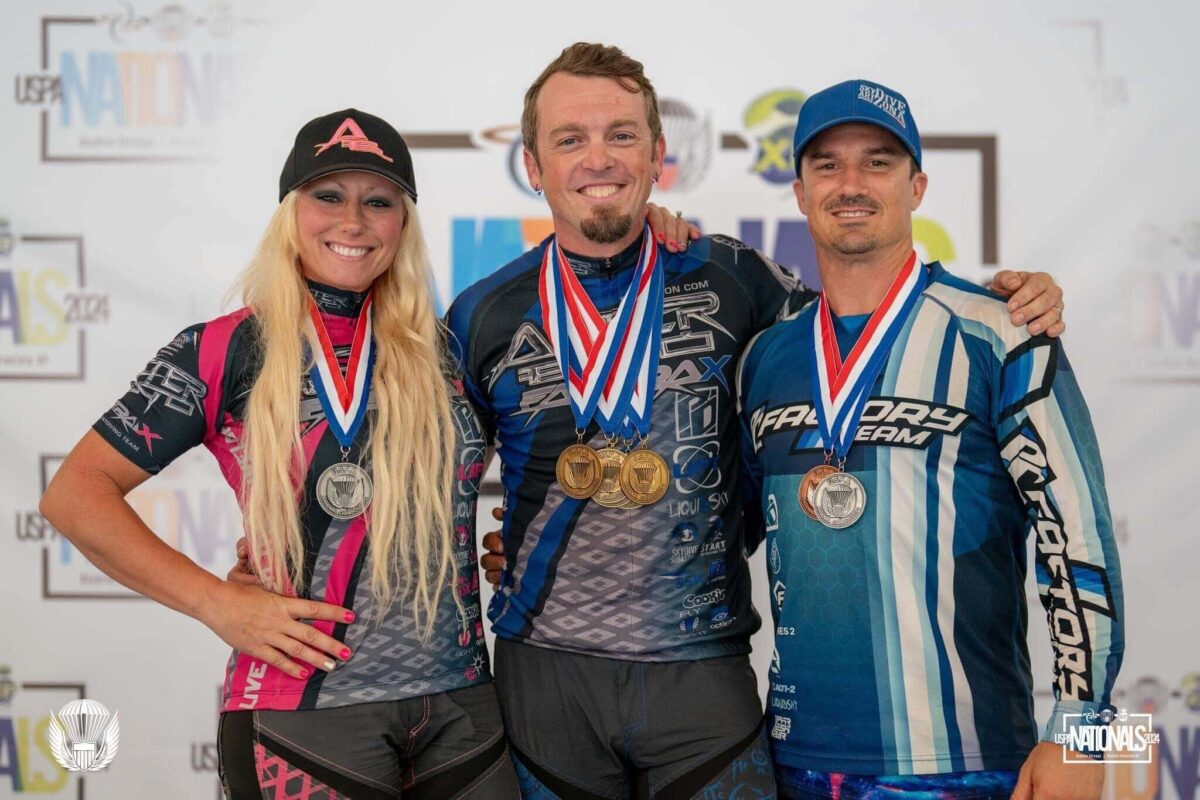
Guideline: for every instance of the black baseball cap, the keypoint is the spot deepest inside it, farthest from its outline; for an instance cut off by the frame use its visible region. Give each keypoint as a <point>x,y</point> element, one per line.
<point>348,140</point>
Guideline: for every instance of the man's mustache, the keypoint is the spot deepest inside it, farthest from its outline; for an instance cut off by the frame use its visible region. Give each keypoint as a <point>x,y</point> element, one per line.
<point>851,201</point>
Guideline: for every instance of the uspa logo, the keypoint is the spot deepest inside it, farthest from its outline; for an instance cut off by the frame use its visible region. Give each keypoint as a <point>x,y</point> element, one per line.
<point>45,306</point>
<point>28,765</point>
<point>84,736</point>
<point>188,505</point>
<point>1109,735</point>
<point>132,85</point>
<point>690,144</point>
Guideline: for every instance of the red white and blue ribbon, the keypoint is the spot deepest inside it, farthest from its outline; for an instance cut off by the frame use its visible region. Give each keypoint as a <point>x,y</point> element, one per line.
<point>608,366</point>
<point>843,386</point>
<point>344,397</point>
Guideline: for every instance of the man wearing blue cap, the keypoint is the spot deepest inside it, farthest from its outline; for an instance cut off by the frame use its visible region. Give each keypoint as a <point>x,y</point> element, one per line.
<point>906,439</point>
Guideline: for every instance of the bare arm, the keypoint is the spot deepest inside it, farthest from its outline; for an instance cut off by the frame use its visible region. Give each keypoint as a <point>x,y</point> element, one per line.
<point>86,503</point>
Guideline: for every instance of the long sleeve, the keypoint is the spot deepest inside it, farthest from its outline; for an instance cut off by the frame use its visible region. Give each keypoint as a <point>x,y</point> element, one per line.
<point>1049,448</point>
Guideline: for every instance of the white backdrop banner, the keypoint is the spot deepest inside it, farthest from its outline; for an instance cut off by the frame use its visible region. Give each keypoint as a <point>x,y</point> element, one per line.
<point>141,149</point>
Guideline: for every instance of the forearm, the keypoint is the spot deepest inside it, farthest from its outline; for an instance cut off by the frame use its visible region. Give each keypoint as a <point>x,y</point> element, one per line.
<point>90,511</point>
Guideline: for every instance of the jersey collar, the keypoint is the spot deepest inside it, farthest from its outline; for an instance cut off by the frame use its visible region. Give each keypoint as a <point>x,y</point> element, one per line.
<point>587,265</point>
<point>338,302</point>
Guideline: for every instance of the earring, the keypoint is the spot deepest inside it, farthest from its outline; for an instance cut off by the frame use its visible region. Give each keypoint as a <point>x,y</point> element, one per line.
<point>537,190</point>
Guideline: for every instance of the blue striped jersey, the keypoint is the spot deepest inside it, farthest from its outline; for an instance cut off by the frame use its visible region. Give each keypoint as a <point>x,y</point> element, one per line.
<point>901,639</point>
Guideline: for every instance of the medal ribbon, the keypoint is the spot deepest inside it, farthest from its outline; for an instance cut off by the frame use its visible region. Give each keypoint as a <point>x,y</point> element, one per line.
<point>609,367</point>
<point>344,398</point>
<point>842,387</point>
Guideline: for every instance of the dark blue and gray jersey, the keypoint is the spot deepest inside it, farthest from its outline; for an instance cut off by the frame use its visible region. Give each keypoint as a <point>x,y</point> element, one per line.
<point>658,583</point>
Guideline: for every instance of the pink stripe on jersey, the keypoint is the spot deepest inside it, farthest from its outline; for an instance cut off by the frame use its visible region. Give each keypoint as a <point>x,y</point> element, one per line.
<point>223,450</point>
<point>214,346</point>
<point>342,569</point>
<point>256,684</point>
<point>253,684</point>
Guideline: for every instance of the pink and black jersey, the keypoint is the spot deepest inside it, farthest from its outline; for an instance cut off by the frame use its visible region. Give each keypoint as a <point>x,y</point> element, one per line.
<point>195,391</point>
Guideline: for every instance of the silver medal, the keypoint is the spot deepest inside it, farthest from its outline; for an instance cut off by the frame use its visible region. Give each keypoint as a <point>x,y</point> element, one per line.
<point>839,500</point>
<point>344,490</point>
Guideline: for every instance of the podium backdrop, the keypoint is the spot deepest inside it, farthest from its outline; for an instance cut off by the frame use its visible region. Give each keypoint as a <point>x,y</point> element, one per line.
<point>141,146</point>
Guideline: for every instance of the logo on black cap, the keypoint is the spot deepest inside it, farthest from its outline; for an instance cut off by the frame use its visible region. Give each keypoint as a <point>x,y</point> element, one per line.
<point>351,137</point>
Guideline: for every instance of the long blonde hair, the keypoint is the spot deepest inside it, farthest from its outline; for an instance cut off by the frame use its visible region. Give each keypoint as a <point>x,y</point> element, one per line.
<point>412,441</point>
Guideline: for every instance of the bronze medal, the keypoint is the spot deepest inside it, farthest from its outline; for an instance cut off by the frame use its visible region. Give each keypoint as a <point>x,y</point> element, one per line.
<point>609,494</point>
<point>579,471</point>
<point>645,476</point>
<point>808,487</point>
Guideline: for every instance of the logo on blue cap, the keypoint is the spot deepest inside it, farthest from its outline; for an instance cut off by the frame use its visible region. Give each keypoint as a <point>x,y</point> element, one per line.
<point>857,101</point>
<point>877,97</point>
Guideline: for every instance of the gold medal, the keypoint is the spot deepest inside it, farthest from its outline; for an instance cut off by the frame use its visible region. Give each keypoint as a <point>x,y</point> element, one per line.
<point>609,494</point>
<point>579,471</point>
<point>645,476</point>
<point>808,487</point>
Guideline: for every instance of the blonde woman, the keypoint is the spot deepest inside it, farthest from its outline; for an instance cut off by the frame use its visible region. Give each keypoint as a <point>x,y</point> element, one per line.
<point>356,460</point>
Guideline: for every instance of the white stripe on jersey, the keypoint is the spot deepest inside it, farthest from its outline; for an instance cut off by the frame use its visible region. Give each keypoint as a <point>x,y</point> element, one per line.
<point>907,477</point>
<point>964,703</point>
<point>923,717</point>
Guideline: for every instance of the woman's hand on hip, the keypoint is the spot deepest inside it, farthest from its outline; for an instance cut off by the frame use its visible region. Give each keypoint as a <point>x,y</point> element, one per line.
<point>269,627</point>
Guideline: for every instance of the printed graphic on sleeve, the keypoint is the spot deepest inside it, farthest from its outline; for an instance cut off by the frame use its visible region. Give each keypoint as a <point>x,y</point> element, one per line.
<point>1059,585</point>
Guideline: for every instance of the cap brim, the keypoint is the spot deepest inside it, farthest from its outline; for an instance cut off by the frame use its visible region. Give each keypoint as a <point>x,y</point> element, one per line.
<point>321,173</point>
<point>845,121</point>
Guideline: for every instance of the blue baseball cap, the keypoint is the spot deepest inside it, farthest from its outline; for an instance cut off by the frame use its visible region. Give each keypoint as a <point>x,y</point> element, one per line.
<point>857,101</point>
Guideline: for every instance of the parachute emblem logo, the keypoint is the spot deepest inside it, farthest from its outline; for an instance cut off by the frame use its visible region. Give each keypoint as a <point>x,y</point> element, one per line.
<point>689,145</point>
<point>84,736</point>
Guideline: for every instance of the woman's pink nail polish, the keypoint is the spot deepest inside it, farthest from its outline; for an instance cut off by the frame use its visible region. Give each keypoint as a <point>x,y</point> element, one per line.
<point>345,653</point>
<point>349,616</point>
<point>304,674</point>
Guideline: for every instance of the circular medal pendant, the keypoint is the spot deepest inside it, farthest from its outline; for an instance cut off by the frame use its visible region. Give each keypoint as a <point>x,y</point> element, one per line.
<point>839,500</point>
<point>579,471</point>
<point>808,487</point>
<point>609,494</point>
<point>344,490</point>
<point>645,476</point>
